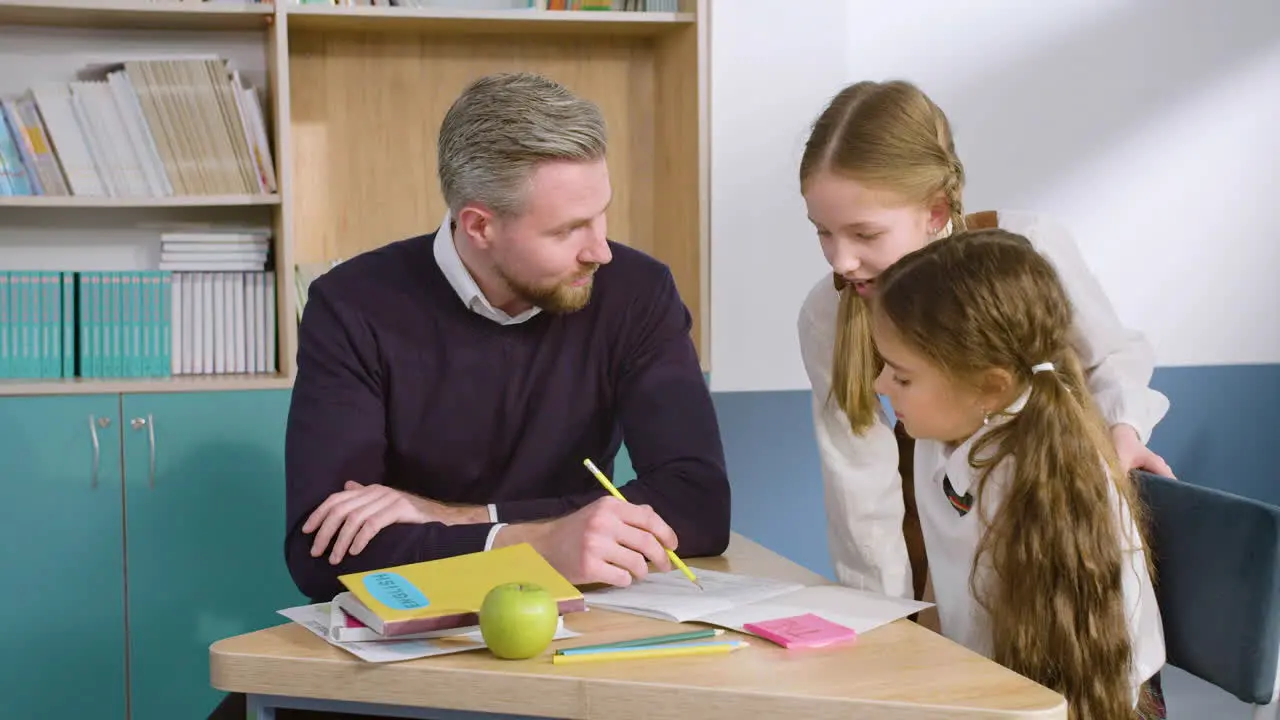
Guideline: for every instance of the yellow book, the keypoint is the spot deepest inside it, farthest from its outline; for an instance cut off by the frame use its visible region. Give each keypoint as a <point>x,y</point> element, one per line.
<point>447,593</point>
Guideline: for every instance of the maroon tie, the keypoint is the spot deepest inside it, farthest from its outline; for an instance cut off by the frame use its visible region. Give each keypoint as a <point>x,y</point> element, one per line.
<point>911,518</point>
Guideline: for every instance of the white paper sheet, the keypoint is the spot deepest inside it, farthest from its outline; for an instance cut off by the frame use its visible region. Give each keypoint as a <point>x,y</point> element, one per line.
<point>732,600</point>
<point>670,595</point>
<point>857,609</point>
<point>316,618</point>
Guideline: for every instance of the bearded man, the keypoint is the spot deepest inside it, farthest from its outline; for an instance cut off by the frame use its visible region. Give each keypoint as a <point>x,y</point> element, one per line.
<point>450,385</point>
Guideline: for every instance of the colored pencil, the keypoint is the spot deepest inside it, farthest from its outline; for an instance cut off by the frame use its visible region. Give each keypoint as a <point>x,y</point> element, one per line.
<point>651,651</point>
<point>644,642</point>
<point>614,492</point>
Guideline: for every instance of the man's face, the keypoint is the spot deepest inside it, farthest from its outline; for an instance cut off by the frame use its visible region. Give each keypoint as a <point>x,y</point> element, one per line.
<point>548,254</point>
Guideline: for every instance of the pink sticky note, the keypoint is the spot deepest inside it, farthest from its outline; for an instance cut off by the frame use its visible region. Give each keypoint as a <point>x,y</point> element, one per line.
<point>806,630</point>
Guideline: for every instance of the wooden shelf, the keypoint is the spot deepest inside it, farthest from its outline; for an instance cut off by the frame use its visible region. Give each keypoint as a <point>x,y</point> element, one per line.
<point>179,383</point>
<point>71,201</point>
<point>135,14</point>
<point>334,75</point>
<point>401,19</point>
<point>349,68</point>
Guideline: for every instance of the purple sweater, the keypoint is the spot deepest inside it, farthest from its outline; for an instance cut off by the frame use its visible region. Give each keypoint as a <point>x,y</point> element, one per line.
<point>399,383</point>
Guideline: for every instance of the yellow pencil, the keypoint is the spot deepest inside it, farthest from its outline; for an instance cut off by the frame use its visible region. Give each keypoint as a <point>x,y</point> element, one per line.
<point>675,560</point>
<point>643,653</point>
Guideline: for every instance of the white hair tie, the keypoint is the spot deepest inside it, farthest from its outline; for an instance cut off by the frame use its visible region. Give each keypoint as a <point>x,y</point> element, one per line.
<point>1042,367</point>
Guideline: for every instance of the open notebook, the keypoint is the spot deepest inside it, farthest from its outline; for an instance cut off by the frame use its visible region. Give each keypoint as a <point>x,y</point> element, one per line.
<point>732,601</point>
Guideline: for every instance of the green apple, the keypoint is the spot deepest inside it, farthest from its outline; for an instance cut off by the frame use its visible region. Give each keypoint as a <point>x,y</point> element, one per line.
<point>518,620</point>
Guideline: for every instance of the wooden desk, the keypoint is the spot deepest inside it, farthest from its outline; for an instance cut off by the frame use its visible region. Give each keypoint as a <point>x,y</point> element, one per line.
<point>897,672</point>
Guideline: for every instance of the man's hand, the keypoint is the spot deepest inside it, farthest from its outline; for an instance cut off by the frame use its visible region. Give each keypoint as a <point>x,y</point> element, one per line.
<point>352,517</point>
<point>608,541</point>
<point>1134,455</point>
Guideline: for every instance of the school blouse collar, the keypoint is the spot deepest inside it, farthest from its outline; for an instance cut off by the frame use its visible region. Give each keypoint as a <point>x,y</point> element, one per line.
<point>958,469</point>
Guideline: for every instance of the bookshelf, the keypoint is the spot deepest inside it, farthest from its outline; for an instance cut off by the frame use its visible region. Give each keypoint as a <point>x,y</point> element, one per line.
<point>351,99</point>
<point>489,22</point>
<point>100,203</point>
<point>135,14</point>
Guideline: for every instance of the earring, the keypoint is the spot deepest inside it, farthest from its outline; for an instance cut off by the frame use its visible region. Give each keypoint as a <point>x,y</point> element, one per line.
<point>986,418</point>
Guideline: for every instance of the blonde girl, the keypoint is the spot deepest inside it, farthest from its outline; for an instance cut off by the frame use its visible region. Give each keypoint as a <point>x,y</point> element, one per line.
<point>881,178</point>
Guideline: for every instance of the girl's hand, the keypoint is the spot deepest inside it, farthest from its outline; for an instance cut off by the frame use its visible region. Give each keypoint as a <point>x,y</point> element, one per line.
<point>1134,455</point>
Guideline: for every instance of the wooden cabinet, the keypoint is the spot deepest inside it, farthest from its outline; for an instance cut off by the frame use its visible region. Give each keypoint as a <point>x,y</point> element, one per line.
<point>138,550</point>
<point>204,534</point>
<point>62,536</point>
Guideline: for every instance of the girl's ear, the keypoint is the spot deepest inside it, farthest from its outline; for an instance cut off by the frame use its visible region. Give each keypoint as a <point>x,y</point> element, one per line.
<point>995,386</point>
<point>939,213</point>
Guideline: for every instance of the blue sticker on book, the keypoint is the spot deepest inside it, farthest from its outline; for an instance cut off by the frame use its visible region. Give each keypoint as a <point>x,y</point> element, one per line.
<point>394,591</point>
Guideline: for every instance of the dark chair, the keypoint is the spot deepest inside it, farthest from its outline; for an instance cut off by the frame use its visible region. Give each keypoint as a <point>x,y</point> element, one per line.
<point>1217,561</point>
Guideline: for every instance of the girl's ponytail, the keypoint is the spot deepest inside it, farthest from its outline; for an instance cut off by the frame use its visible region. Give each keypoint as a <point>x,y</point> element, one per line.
<point>992,312</point>
<point>1056,548</point>
<point>855,364</point>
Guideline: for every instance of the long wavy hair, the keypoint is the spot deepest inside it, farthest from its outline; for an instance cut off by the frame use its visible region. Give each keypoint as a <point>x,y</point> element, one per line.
<point>984,300</point>
<point>889,135</point>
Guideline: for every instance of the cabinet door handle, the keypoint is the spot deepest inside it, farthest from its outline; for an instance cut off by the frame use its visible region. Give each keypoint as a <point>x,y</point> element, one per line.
<point>150,424</point>
<point>94,424</point>
<point>97,451</point>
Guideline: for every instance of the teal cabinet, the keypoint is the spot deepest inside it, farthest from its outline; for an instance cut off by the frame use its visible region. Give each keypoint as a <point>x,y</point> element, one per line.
<point>204,502</point>
<point>63,653</point>
<point>189,489</point>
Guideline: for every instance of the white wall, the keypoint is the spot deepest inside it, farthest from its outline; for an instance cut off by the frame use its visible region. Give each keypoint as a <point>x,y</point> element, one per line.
<point>1151,128</point>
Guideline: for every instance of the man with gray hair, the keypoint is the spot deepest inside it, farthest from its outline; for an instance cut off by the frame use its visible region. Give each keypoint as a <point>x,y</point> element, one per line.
<point>450,385</point>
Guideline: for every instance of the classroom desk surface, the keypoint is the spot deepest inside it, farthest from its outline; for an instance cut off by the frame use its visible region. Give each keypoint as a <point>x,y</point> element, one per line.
<point>898,671</point>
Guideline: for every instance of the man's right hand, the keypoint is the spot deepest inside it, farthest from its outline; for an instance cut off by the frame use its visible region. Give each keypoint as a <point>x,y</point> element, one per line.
<point>608,541</point>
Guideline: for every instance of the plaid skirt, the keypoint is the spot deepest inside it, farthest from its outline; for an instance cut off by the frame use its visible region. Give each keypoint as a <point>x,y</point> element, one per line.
<point>1151,702</point>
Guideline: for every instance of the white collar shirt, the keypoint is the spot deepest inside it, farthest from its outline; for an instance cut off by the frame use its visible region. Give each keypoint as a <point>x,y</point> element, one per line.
<point>945,484</point>
<point>464,284</point>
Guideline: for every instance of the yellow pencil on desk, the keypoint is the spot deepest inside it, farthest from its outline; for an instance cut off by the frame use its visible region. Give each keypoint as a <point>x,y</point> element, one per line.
<point>652,651</point>
<point>675,560</point>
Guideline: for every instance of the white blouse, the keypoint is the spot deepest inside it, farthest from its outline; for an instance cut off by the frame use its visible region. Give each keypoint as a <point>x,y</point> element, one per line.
<point>951,537</point>
<point>862,488</point>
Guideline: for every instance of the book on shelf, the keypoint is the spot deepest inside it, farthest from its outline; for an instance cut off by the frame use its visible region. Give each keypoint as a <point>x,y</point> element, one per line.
<point>303,275</point>
<point>224,297</point>
<point>63,324</point>
<point>212,250</point>
<point>169,126</point>
<point>136,324</point>
<point>37,324</point>
<point>224,322</point>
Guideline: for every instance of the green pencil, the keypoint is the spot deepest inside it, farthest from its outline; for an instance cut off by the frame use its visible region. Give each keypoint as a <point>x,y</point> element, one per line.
<point>641,642</point>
